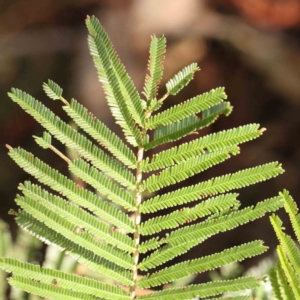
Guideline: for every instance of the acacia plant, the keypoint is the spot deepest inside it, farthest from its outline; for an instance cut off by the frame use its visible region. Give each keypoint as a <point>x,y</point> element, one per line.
<point>108,228</point>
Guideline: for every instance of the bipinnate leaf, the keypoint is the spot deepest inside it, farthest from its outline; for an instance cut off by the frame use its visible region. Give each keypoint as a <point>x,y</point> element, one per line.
<point>98,217</point>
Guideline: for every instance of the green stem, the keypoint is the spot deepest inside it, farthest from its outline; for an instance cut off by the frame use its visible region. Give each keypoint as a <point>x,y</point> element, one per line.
<point>137,213</point>
<point>137,219</point>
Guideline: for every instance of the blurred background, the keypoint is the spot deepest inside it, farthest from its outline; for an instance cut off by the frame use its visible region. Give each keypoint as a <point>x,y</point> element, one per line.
<point>250,47</point>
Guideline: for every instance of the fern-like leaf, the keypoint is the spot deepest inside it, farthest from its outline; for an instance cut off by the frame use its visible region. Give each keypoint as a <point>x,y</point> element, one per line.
<point>181,79</point>
<point>190,107</point>
<point>217,185</point>
<point>102,225</point>
<point>155,66</point>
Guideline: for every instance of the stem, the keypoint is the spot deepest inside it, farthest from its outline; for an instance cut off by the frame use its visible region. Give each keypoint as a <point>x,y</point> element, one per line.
<point>137,213</point>
<point>137,219</point>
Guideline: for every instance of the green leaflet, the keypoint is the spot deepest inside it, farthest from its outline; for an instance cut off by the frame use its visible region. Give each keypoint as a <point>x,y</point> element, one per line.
<point>78,216</point>
<point>72,138</point>
<point>101,133</point>
<point>87,257</point>
<point>177,130</point>
<point>289,272</point>
<point>181,79</point>
<point>216,185</point>
<point>186,169</point>
<point>204,290</point>
<point>285,277</point>
<point>206,263</point>
<point>190,107</point>
<point>292,209</point>
<point>53,90</point>
<point>155,66</point>
<point>195,234</point>
<point>116,82</point>
<point>45,141</point>
<point>67,187</point>
<point>179,217</point>
<point>64,280</point>
<point>47,290</point>
<point>102,183</point>
<point>74,233</point>
<point>214,141</point>
<point>287,244</point>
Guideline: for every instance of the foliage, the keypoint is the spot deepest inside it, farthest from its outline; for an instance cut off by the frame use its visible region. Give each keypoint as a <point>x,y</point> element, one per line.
<point>285,277</point>
<point>101,226</point>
